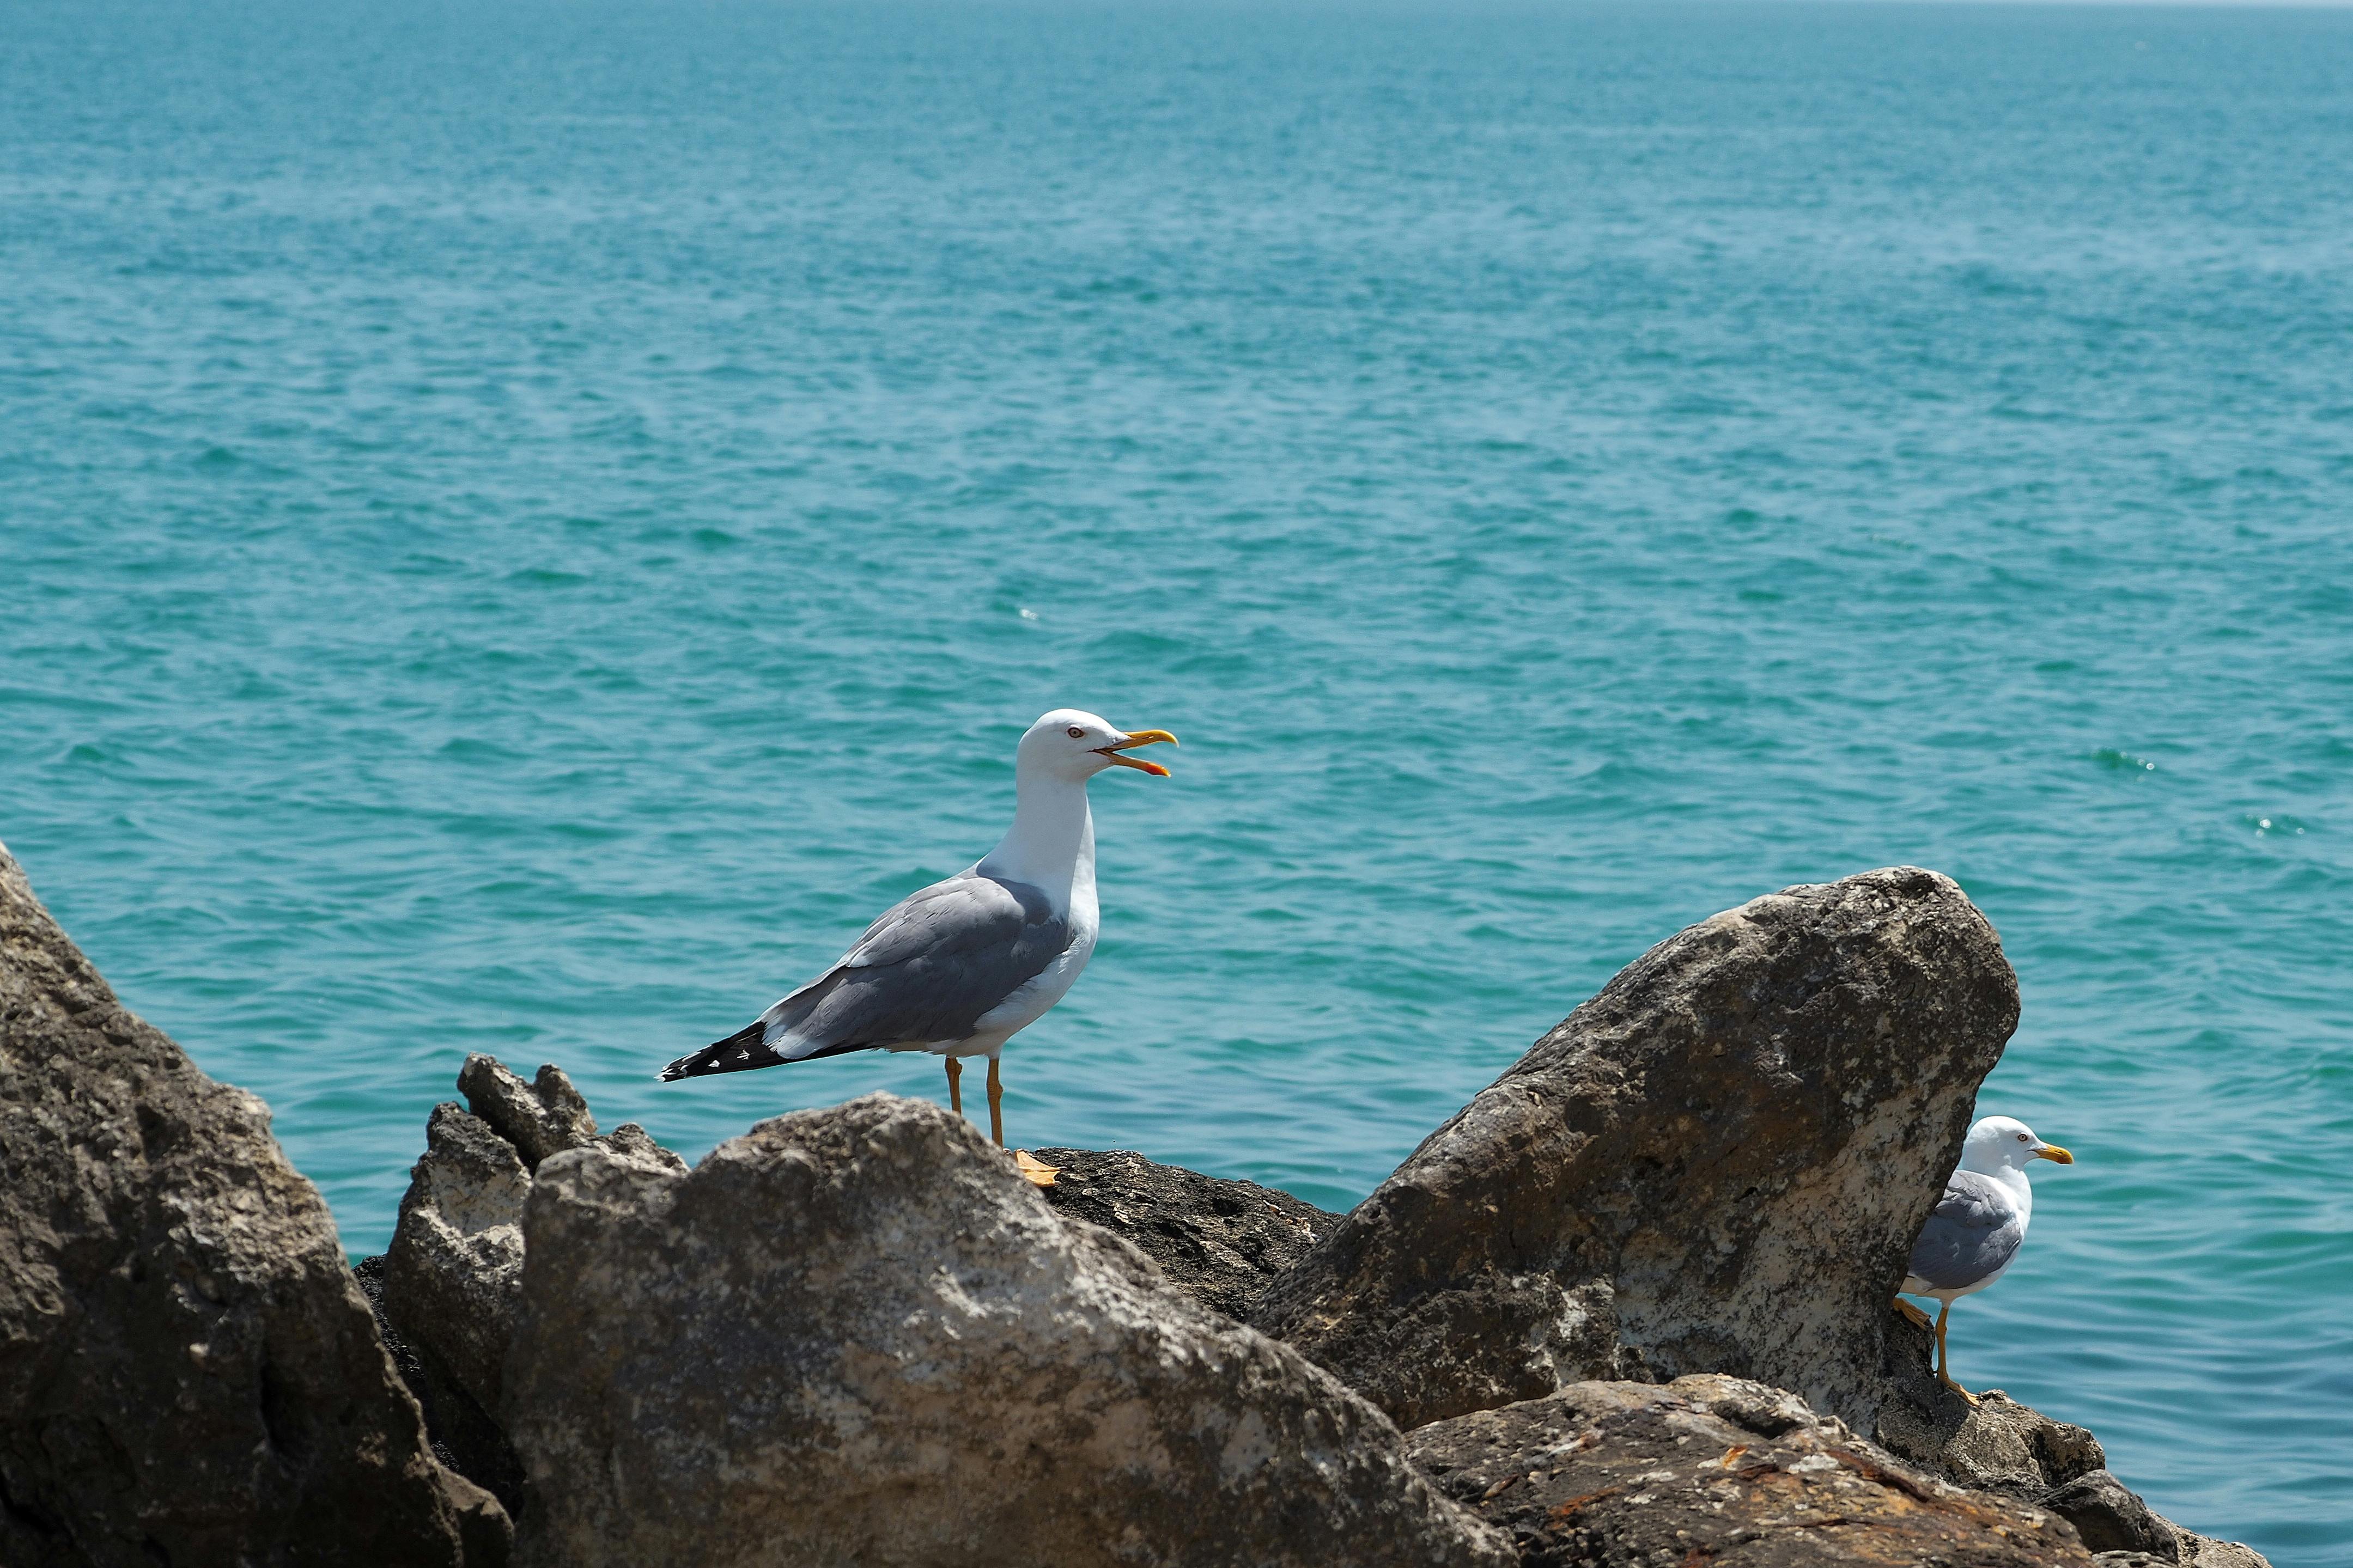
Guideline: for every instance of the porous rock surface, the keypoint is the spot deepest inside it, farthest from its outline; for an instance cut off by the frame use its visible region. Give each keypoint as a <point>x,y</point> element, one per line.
<point>188,1372</point>
<point>1718,1164</point>
<point>454,1270</point>
<point>1723,1472</point>
<point>2011,1448</point>
<point>1219,1240</point>
<point>855,1335</point>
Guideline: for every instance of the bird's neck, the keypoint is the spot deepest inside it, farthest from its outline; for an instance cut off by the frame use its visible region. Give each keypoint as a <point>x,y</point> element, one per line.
<point>1051,844</point>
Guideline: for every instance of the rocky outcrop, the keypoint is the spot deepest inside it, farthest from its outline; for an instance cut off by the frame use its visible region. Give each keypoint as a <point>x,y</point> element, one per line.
<point>1221,1241</point>
<point>2006,1446</point>
<point>449,1282</point>
<point>857,1336</point>
<point>454,1271</point>
<point>1723,1472</point>
<point>1716,1165</point>
<point>188,1372</point>
<point>541,1118</point>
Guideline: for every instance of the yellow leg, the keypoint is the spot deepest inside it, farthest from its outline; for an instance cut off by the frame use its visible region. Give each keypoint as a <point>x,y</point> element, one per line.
<point>1944,1365</point>
<point>956,1086</point>
<point>1910,1313</point>
<point>1037,1172</point>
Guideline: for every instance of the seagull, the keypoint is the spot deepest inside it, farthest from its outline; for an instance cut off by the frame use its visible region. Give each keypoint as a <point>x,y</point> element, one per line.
<point>962,966</point>
<point>1974,1234</point>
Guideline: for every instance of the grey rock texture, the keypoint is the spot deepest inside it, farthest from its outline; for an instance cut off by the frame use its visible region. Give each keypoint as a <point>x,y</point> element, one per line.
<point>1997,1443</point>
<point>857,1336</point>
<point>541,1118</point>
<point>1723,1472</point>
<point>2195,1552</point>
<point>1716,1165</point>
<point>454,1271</point>
<point>2011,1448</point>
<point>2205,1551</point>
<point>2110,1517</point>
<point>369,1273</point>
<point>189,1373</point>
<point>451,1279</point>
<point>1221,1241</point>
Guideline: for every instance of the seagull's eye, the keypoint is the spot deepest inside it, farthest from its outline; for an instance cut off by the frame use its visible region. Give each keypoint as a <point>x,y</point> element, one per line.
<point>2022,1137</point>
<point>1077,733</point>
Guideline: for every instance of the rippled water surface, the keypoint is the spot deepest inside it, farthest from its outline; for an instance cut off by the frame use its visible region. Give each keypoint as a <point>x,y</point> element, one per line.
<point>521,527</point>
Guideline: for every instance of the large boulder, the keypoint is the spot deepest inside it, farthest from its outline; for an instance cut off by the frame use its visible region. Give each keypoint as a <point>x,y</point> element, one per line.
<point>188,1372</point>
<point>857,1336</point>
<point>1220,1240</point>
<point>454,1273</point>
<point>1721,1471</point>
<point>1716,1165</point>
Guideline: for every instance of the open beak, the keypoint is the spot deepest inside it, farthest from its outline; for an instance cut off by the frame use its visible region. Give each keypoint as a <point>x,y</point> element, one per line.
<point>1135,739</point>
<point>2052,1152</point>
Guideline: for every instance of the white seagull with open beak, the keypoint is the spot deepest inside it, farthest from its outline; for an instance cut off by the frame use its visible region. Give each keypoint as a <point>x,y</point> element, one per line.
<point>962,966</point>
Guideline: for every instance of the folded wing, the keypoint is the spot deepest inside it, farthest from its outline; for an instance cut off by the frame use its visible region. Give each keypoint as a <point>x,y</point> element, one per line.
<point>1971,1237</point>
<point>923,974</point>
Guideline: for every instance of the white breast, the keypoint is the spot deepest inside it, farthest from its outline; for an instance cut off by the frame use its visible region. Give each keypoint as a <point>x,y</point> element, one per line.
<point>1030,1004</point>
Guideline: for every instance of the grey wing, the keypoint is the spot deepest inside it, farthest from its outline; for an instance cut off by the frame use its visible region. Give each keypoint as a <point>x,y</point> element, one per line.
<point>926,971</point>
<point>1973,1233</point>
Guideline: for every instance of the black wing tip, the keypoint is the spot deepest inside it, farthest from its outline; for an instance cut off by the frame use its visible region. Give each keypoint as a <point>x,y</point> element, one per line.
<point>747,1047</point>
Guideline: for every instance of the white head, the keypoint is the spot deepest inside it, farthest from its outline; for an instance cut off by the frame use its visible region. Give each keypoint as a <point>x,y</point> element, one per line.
<point>1070,743</point>
<point>1998,1143</point>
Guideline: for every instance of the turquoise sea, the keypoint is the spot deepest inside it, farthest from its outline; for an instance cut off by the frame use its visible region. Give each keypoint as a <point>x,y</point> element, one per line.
<point>522,526</point>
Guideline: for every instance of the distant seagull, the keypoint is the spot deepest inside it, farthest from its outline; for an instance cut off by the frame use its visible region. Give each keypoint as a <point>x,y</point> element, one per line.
<point>1975,1232</point>
<point>962,966</point>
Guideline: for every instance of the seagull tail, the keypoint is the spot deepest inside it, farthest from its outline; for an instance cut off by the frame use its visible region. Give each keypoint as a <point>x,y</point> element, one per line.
<point>742,1051</point>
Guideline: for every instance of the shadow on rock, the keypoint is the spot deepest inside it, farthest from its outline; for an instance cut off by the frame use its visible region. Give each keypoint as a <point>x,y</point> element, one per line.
<point>1219,1241</point>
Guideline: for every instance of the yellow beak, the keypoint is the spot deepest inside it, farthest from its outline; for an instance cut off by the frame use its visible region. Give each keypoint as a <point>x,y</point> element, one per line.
<point>2052,1152</point>
<point>1138,738</point>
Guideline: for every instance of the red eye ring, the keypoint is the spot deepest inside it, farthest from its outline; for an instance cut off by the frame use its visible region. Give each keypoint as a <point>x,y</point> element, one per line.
<point>1077,733</point>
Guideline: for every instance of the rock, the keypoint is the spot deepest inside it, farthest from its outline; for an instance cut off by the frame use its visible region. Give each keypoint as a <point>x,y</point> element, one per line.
<point>2110,1518</point>
<point>1716,1165</point>
<point>2011,1448</point>
<point>855,1335</point>
<point>450,1280</point>
<point>1717,1471</point>
<point>1997,1443</point>
<point>189,1372</point>
<point>1222,1241</point>
<point>369,1273</point>
<point>2205,1551</point>
<point>454,1271</point>
<point>541,1118</point>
